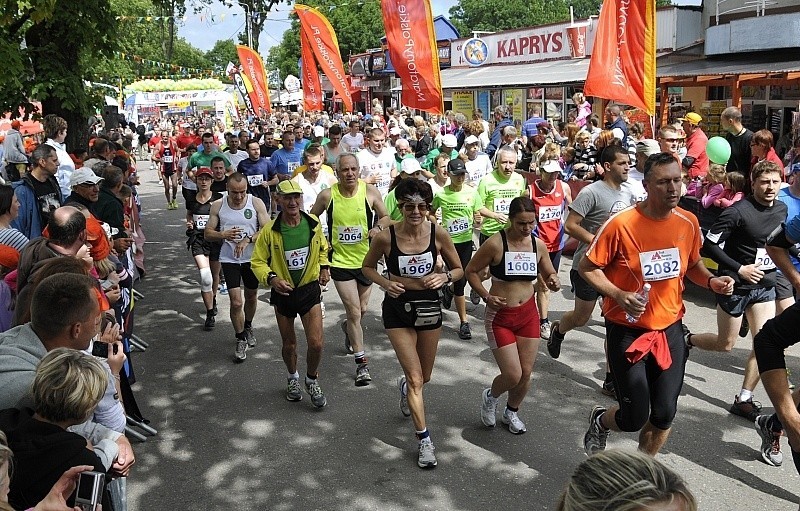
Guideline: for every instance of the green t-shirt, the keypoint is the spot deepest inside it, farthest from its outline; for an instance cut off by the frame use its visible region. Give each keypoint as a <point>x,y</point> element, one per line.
<point>391,206</point>
<point>458,209</point>
<point>295,247</point>
<point>201,159</point>
<point>495,193</point>
<point>428,165</point>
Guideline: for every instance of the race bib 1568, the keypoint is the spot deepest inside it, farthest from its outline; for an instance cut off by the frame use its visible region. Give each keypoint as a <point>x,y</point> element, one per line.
<point>457,226</point>
<point>501,205</point>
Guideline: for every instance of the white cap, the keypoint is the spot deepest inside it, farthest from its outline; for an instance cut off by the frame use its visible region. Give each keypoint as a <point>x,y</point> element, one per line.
<point>472,139</point>
<point>319,131</point>
<point>550,166</point>
<point>410,165</point>
<point>83,175</point>
<point>395,131</point>
<point>449,140</point>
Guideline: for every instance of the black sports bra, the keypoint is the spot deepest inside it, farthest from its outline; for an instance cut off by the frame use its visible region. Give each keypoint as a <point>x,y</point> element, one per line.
<point>515,265</point>
<point>414,266</point>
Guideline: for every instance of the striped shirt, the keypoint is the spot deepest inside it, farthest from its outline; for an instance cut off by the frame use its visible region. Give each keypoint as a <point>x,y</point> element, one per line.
<point>13,238</point>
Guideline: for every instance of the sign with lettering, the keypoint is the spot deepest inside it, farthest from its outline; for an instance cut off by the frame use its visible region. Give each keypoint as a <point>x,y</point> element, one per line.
<point>525,45</point>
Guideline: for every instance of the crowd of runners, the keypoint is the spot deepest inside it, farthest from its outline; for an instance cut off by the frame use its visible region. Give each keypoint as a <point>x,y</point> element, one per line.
<point>424,208</point>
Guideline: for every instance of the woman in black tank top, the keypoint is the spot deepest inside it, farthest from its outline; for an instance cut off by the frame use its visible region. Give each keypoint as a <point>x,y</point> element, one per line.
<point>516,259</point>
<point>412,315</point>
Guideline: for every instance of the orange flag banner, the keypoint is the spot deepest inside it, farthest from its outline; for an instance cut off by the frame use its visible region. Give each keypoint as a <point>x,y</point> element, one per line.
<point>623,63</point>
<point>325,47</point>
<point>253,69</point>
<point>312,88</point>
<point>412,48</point>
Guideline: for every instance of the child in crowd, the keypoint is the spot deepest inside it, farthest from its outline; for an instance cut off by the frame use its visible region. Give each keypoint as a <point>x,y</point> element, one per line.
<point>710,188</point>
<point>567,161</point>
<point>734,190</point>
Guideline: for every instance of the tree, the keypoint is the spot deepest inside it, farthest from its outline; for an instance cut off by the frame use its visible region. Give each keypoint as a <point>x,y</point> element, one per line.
<point>224,51</point>
<point>358,28</point>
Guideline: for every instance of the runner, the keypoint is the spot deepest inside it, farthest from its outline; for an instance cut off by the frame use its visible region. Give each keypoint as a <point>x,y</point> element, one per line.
<point>744,228</point>
<point>239,217</point>
<point>458,204</point>
<point>260,173</point>
<point>590,209</point>
<point>334,146</point>
<point>202,158</point>
<point>551,197</point>
<point>205,253</point>
<point>188,186</point>
<point>352,207</point>
<point>410,169</point>
<point>412,315</point>
<point>165,154</point>
<point>478,162</point>
<point>291,257</point>
<point>515,258</point>
<point>377,162</point>
<point>654,243</point>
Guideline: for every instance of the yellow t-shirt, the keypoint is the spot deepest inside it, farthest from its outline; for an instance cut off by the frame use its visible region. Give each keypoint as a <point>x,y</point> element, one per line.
<point>303,168</point>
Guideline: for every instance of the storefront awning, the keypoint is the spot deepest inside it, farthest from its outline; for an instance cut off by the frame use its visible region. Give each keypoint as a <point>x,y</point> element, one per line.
<point>528,75</point>
<point>751,67</point>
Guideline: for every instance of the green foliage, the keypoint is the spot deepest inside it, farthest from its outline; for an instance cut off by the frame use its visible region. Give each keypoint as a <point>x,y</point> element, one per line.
<point>224,51</point>
<point>358,26</point>
<point>175,85</point>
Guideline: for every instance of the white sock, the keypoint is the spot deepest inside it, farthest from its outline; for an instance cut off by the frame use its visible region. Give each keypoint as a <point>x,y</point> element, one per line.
<point>745,395</point>
<point>294,376</point>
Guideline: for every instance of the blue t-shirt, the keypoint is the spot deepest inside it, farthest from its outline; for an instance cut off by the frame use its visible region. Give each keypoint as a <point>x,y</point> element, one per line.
<point>261,170</point>
<point>793,205</point>
<point>285,162</point>
<point>529,128</point>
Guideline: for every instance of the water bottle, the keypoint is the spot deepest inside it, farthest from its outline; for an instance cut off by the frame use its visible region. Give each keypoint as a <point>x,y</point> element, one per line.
<point>643,296</point>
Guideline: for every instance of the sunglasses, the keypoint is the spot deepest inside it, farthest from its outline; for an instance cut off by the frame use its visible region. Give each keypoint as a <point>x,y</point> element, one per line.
<point>409,207</point>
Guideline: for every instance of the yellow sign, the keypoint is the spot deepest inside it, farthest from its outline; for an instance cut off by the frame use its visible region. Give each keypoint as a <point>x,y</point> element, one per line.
<point>464,102</point>
<point>178,104</point>
<point>518,104</point>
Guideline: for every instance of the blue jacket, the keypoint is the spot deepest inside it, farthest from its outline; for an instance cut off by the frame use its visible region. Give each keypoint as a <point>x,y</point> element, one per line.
<point>497,137</point>
<point>620,123</point>
<point>29,220</point>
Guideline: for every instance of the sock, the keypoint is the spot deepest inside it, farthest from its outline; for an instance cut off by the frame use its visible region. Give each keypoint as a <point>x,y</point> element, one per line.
<point>240,335</point>
<point>310,379</point>
<point>404,388</point>
<point>360,357</point>
<point>294,376</point>
<point>542,321</point>
<point>745,395</point>
<point>511,408</point>
<point>248,323</point>
<point>774,423</point>
<point>599,422</point>
<point>210,312</point>
<point>424,435</point>
<point>489,395</point>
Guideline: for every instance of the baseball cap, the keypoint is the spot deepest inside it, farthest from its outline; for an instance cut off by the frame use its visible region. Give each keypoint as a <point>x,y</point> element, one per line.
<point>472,139</point>
<point>692,118</point>
<point>449,140</point>
<point>410,166</point>
<point>456,167</point>
<point>84,175</point>
<point>550,166</point>
<point>647,147</point>
<point>276,135</point>
<point>319,131</point>
<point>289,187</point>
<point>203,171</point>
<point>395,131</point>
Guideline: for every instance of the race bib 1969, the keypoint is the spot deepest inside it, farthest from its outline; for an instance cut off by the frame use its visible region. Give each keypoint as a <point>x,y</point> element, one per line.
<point>415,266</point>
<point>549,213</point>
<point>296,259</point>
<point>501,205</point>
<point>521,264</point>
<point>457,226</point>
<point>200,221</point>
<point>660,264</point>
<point>350,235</point>
<point>763,260</point>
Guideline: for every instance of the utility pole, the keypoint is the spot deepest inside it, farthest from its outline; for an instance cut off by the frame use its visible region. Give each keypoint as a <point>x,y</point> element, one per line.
<point>247,22</point>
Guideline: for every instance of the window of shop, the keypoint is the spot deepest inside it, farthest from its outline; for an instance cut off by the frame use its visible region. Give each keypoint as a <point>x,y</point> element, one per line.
<point>554,103</point>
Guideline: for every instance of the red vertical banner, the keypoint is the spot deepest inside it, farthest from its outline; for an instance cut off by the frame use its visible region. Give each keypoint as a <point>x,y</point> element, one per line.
<point>253,69</point>
<point>412,48</point>
<point>312,87</point>
<point>325,47</point>
<point>623,63</point>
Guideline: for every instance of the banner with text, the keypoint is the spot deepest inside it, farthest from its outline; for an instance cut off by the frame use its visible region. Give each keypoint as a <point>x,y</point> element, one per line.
<point>253,69</point>
<point>234,74</point>
<point>312,87</point>
<point>326,50</point>
<point>623,63</point>
<point>412,48</point>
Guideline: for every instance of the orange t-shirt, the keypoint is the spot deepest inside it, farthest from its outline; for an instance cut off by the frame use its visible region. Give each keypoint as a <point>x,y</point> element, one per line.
<point>633,249</point>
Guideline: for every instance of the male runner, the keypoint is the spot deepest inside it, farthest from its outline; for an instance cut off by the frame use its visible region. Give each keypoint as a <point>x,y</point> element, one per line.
<point>166,155</point>
<point>259,171</point>
<point>376,162</point>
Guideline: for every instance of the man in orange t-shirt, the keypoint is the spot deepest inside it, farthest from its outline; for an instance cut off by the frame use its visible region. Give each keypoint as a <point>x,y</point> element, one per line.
<point>654,243</point>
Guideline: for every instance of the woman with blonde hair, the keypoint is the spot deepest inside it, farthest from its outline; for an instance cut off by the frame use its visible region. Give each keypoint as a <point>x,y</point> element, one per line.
<point>617,480</point>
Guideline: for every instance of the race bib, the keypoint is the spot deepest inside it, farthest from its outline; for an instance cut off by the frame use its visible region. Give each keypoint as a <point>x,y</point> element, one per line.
<point>415,266</point>
<point>457,226</point>
<point>167,158</point>
<point>501,205</point>
<point>383,182</point>
<point>292,165</point>
<point>200,221</point>
<point>660,264</point>
<point>255,180</point>
<point>521,264</point>
<point>550,213</point>
<point>296,259</point>
<point>350,235</point>
<point>763,261</point>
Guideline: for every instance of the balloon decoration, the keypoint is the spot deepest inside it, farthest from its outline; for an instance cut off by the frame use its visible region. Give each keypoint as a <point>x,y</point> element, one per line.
<point>718,150</point>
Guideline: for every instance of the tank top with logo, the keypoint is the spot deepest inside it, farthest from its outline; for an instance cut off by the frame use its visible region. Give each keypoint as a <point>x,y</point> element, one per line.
<point>349,221</point>
<point>247,220</point>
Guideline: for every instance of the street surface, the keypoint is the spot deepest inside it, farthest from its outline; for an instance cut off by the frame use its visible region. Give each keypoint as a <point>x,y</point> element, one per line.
<point>228,438</point>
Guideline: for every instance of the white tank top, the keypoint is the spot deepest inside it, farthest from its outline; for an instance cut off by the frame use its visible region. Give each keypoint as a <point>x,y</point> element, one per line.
<point>246,219</point>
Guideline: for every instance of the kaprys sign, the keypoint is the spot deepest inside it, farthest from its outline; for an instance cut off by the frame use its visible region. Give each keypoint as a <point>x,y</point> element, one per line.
<point>523,45</point>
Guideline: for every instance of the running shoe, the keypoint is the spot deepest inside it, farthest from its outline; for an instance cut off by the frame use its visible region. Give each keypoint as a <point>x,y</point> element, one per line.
<point>608,388</point>
<point>174,204</point>
<point>210,322</point>
<point>447,296</point>
<point>595,438</point>
<point>241,350</point>
<point>347,347</point>
<point>293,392</point>
<point>744,328</point>
<point>322,308</point>
<point>474,297</point>
<point>544,330</point>
<point>512,420</point>
<point>318,399</point>
<point>748,409</point>
<point>248,335</point>
<point>161,181</point>
<point>214,309</point>
<point>464,332</point>
<point>555,340</point>
<point>427,458</point>
<point>223,288</point>
<point>362,375</point>
<point>169,206</point>
<point>686,336</point>
<point>488,408</point>
<point>401,386</point>
<point>770,442</point>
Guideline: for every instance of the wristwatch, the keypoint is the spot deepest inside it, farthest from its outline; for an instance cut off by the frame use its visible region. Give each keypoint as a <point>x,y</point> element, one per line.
<point>449,276</point>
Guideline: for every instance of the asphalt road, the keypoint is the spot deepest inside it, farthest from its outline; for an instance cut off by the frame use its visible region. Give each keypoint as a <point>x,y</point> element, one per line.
<point>228,439</point>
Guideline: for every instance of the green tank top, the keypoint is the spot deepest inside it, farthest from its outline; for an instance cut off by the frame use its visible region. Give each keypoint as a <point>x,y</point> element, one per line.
<point>295,248</point>
<point>349,221</point>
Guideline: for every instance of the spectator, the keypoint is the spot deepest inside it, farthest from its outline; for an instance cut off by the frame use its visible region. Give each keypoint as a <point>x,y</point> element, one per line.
<point>761,148</point>
<point>55,129</point>
<point>502,118</point>
<point>85,187</point>
<point>14,153</point>
<point>9,209</point>
<point>584,109</point>
<point>109,207</point>
<point>38,193</point>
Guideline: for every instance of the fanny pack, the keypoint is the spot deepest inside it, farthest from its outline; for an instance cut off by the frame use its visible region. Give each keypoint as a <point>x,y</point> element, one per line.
<point>424,312</point>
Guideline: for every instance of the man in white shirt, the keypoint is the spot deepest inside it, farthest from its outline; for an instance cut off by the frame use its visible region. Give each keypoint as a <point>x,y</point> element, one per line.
<point>353,141</point>
<point>478,163</point>
<point>376,162</point>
